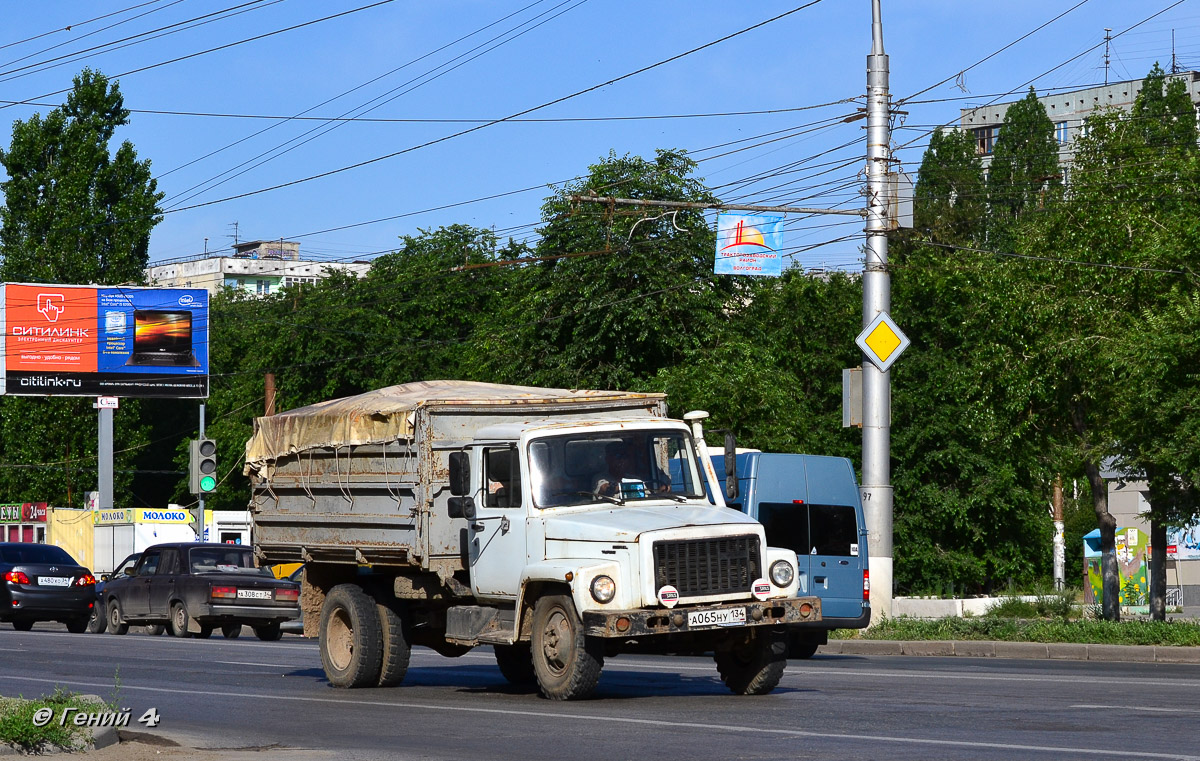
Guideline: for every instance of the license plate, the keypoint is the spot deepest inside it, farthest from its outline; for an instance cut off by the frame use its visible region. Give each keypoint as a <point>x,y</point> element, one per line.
<point>726,617</point>
<point>54,581</point>
<point>254,594</point>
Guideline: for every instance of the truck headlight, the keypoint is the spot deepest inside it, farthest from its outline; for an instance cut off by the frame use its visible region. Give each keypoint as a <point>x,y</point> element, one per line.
<point>782,573</point>
<point>604,589</point>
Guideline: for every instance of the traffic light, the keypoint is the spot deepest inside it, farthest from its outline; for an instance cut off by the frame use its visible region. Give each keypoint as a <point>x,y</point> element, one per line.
<point>202,466</point>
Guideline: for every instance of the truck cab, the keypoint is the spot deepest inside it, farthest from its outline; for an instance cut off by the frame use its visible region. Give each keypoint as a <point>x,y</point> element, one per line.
<point>811,505</point>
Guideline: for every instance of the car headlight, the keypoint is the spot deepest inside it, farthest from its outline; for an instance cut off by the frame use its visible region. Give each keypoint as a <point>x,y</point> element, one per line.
<point>782,573</point>
<point>604,589</point>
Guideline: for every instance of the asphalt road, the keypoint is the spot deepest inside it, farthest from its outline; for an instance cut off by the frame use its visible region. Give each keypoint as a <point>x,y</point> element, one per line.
<point>244,693</point>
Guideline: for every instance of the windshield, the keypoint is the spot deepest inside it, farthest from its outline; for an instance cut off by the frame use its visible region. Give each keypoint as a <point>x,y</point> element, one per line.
<point>224,559</point>
<point>612,466</point>
<point>35,553</point>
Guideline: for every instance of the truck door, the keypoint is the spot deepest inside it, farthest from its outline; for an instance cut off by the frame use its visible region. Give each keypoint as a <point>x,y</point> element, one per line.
<point>497,535</point>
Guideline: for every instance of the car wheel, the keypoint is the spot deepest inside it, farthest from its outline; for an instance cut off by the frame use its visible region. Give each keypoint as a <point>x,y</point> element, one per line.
<point>116,623</point>
<point>566,661</point>
<point>204,633</point>
<point>268,632</point>
<point>231,631</point>
<point>98,621</point>
<point>155,630</point>
<point>22,626</point>
<point>179,620</point>
<point>351,643</point>
<point>77,625</point>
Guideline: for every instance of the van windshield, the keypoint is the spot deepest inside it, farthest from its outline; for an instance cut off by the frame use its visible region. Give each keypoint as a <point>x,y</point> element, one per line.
<point>613,466</point>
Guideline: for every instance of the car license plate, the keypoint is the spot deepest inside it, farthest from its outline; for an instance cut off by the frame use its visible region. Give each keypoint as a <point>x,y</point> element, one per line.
<point>254,594</point>
<point>54,581</point>
<point>726,617</point>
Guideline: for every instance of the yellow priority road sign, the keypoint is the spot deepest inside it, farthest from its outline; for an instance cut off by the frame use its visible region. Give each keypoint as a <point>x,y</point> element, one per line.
<point>882,341</point>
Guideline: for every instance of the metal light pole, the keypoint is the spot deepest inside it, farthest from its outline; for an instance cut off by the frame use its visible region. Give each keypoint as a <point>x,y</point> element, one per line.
<point>877,298</point>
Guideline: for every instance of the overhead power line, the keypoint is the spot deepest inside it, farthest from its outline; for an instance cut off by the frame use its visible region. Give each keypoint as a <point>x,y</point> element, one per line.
<point>476,128</point>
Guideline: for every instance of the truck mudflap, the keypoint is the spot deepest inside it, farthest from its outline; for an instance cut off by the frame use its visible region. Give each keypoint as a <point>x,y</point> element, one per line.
<point>792,611</point>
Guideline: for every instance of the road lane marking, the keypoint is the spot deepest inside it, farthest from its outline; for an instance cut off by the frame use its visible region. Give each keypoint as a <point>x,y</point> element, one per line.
<point>1149,709</point>
<point>667,723</point>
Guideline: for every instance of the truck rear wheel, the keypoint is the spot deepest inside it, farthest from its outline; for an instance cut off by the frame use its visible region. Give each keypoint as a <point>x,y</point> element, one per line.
<point>396,648</point>
<point>754,666</point>
<point>351,643</point>
<point>566,662</point>
<point>516,663</point>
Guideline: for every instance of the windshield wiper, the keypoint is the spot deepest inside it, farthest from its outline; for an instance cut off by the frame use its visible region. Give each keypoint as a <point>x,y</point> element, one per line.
<point>605,497</point>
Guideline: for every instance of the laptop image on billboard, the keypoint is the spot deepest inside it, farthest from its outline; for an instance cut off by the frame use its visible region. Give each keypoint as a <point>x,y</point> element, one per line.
<point>162,338</point>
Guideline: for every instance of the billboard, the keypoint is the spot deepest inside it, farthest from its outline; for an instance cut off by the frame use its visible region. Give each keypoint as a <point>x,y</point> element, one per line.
<point>69,340</point>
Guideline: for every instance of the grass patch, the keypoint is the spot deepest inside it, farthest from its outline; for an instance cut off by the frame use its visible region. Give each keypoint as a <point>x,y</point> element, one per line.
<point>17,727</point>
<point>990,627</point>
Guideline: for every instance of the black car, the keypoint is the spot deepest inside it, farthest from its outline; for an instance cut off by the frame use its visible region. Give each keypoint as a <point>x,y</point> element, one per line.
<point>195,588</point>
<point>43,583</point>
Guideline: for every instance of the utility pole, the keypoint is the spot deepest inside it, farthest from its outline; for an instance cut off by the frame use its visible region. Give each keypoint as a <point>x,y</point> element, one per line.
<point>1107,42</point>
<point>877,299</point>
<point>1060,551</point>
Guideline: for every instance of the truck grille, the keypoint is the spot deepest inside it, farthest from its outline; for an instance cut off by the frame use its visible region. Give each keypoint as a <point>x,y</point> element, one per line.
<point>704,567</point>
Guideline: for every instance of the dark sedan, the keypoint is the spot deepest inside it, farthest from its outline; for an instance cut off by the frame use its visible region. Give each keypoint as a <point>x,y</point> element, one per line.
<point>43,583</point>
<point>196,588</point>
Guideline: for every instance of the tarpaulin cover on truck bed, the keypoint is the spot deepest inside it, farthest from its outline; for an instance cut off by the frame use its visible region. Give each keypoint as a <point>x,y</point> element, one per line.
<point>387,414</point>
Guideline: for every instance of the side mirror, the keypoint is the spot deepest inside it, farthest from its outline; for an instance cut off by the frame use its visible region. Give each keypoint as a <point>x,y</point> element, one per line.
<point>460,474</point>
<point>105,576</point>
<point>461,507</point>
<point>731,474</point>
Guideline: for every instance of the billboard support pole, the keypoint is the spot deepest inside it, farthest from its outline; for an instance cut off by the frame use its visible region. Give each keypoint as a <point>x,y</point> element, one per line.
<point>104,458</point>
<point>200,509</point>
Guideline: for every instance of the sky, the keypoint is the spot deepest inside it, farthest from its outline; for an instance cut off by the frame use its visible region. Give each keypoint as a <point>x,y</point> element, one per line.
<point>385,88</point>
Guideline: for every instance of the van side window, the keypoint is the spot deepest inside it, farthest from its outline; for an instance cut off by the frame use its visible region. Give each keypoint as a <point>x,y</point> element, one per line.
<point>810,529</point>
<point>833,529</point>
<point>786,525</point>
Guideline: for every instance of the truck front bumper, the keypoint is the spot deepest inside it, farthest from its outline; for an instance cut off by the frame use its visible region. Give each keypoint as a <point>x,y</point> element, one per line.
<point>791,612</point>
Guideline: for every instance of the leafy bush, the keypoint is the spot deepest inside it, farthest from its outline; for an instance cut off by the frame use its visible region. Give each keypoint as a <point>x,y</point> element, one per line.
<point>17,727</point>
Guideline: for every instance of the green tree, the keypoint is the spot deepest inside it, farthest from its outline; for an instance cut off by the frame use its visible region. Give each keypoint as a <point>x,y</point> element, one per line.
<point>1024,167</point>
<point>950,201</point>
<point>1129,216</point>
<point>620,292</point>
<point>73,213</point>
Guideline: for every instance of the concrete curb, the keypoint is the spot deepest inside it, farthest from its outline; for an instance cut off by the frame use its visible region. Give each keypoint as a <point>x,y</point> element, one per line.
<point>1033,650</point>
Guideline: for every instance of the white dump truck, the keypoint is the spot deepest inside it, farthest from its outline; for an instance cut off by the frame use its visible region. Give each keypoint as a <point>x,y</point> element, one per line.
<point>560,527</point>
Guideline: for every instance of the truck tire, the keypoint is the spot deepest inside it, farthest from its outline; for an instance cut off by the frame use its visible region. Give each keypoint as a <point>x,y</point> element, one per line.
<point>116,622</point>
<point>178,625</point>
<point>802,649</point>
<point>754,666</point>
<point>351,643</point>
<point>395,646</point>
<point>516,664</point>
<point>566,662</point>
<point>99,619</point>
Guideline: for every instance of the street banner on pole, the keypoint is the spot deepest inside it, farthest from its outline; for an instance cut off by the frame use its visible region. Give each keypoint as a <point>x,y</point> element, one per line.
<point>749,244</point>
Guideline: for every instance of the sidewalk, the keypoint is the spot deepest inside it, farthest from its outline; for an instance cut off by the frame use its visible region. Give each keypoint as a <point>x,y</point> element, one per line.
<point>1035,650</point>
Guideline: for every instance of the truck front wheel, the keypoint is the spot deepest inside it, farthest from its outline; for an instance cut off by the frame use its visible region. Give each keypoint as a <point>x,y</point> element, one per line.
<point>566,662</point>
<point>351,643</point>
<point>755,665</point>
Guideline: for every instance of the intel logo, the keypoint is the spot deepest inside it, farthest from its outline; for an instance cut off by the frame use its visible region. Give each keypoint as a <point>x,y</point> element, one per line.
<point>186,300</point>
